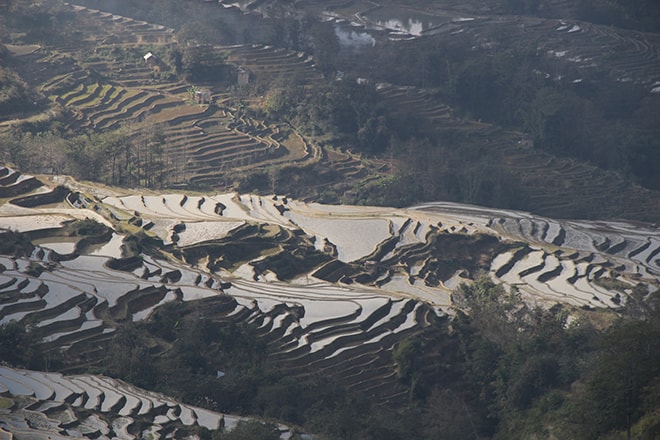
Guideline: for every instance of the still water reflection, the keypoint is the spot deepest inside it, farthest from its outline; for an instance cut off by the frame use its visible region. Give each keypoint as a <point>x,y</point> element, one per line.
<point>403,20</point>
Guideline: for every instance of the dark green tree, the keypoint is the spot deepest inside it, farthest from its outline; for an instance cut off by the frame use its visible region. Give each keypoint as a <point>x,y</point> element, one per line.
<point>628,360</point>
<point>20,346</point>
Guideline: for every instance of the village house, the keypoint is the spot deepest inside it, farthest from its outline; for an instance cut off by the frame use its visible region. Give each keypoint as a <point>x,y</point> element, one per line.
<point>154,62</point>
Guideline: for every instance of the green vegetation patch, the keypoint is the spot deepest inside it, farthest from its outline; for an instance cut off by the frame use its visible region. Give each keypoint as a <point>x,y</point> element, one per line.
<point>14,93</point>
<point>78,89</point>
<point>612,283</point>
<point>15,244</point>
<point>292,261</point>
<point>249,243</point>
<point>6,403</point>
<point>530,369</point>
<point>20,346</point>
<point>89,90</point>
<point>86,227</point>
<point>251,430</point>
<point>100,96</point>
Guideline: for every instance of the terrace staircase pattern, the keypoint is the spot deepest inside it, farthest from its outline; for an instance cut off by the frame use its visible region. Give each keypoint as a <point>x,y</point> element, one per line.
<point>79,301</point>
<point>90,406</point>
<point>203,143</point>
<point>627,55</point>
<point>412,100</point>
<point>586,189</point>
<point>206,145</point>
<point>344,325</point>
<point>108,28</point>
<point>77,313</point>
<point>272,63</point>
<point>582,50</point>
<point>412,248</point>
<point>390,276</point>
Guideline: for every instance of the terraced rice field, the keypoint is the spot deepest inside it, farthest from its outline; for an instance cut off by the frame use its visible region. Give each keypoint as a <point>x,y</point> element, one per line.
<point>382,274</point>
<point>207,144</point>
<point>76,306</point>
<point>345,331</point>
<point>387,274</point>
<point>56,406</point>
<point>627,55</point>
<point>117,29</point>
<point>567,250</point>
<point>271,63</point>
<point>630,55</point>
<point>206,141</point>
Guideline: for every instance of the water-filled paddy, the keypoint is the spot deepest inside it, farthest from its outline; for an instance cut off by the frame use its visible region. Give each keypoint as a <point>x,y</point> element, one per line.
<point>405,20</point>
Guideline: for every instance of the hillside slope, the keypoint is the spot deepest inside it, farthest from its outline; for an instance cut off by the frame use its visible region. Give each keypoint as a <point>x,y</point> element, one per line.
<point>425,123</point>
<point>331,290</point>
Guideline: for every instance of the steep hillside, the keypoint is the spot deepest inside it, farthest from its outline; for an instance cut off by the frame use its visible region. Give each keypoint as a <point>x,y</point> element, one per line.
<point>328,291</point>
<point>262,219</point>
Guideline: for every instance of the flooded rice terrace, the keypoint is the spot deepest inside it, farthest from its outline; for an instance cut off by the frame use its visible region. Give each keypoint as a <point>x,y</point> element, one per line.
<point>359,29</point>
<point>353,26</point>
<point>403,20</point>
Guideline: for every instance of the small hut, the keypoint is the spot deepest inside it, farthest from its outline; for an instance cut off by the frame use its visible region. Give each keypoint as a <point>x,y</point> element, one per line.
<point>149,58</point>
<point>154,62</point>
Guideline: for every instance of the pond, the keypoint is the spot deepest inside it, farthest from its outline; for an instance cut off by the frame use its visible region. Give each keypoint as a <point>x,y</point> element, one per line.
<point>111,248</point>
<point>404,20</point>
<point>61,245</point>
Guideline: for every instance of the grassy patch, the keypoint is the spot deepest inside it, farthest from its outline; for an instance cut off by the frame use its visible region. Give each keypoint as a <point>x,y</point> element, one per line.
<point>115,92</point>
<point>15,243</point>
<point>99,97</point>
<point>6,403</point>
<point>612,284</point>
<point>295,144</point>
<point>65,97</point>
<point>89,90</point>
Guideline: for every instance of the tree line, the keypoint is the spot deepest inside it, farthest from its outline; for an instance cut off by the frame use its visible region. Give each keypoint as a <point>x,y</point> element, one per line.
<point>527,369</point>
<point>129,156</point>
